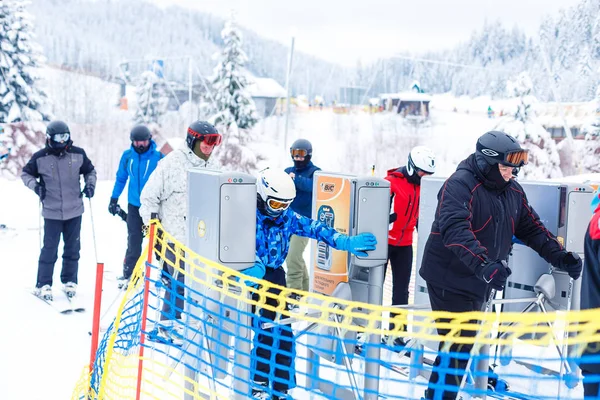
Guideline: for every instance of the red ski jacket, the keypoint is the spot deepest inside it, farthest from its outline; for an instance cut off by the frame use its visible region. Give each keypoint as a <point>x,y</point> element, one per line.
<point>405,199</point>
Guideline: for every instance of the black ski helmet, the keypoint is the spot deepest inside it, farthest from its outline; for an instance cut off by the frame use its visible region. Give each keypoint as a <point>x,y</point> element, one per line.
<point>500,148</point>
<point>139,133</point>
<point>301,144</point>
<point>57,128</point>
<point>196,130</point>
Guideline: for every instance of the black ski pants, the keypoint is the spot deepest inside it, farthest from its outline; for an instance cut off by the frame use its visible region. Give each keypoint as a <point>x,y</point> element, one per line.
<point>174,284</point>
<point>70,231</point>
<point>135,238</point>
<point>444,383</point>
<point>401,258</point>
<point>273,350</point>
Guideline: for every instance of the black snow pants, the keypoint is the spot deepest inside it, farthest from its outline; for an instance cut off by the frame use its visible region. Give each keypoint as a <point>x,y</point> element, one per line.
<point>401,258</point>
<point>444,382</point>
<point>135,238</point>
<point>53,229</point>
<point>273,350</point>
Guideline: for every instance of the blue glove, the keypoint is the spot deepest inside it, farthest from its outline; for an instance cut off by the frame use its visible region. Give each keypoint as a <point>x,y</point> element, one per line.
<point>256,271</point>
<point>357,245</point>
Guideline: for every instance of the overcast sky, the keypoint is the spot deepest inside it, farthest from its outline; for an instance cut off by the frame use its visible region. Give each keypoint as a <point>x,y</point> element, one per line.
<point>344,31</point>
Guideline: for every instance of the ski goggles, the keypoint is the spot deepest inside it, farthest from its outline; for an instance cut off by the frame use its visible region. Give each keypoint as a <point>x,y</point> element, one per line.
<point>516,158</point>
<point>278,205</point>
<point>298,152</point>
<point>211,139</point>
<point>59,137</point>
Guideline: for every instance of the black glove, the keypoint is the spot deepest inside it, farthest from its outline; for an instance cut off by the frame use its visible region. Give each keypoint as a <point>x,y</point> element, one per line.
<point>494,273</point>
<point>88,191</point>
<point>571,264</point>
<point>40,190</point>
<point>113,207</point>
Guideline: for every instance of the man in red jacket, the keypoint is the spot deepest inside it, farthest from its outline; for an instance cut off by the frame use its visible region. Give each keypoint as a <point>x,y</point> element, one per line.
<point>405,187</point>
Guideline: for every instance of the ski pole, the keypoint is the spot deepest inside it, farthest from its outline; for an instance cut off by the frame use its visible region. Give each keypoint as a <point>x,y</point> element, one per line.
<point>93,231</point>
<point>40,224</point>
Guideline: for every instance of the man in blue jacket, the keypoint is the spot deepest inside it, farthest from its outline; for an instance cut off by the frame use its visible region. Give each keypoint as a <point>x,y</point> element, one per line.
<point>302,173</point>
<point>137,163</point>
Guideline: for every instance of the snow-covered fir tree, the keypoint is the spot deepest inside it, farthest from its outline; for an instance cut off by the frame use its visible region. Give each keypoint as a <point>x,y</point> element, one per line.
<point>544,159</point>
<point>231,100</point>
<point>21,98</point>
<point>152,99</point>
<point>591,149</point>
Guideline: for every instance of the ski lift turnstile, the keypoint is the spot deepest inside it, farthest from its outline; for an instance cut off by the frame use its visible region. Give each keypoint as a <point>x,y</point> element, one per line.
<point>352,205</point>
<point>221,224</point>
<point>564,210</point>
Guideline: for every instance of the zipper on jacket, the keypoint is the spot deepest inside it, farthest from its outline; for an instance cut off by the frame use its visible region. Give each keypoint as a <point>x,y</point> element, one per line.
<point>60,193</point>
<point>498,219</point>
<point>138,170</point>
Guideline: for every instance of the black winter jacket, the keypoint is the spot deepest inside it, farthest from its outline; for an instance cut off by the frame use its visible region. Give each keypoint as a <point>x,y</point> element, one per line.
<point>475,222</point>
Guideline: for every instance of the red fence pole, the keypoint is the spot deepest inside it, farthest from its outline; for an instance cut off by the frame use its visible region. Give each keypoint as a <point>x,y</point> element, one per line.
<point>96,316</point>
<point>145,311</point>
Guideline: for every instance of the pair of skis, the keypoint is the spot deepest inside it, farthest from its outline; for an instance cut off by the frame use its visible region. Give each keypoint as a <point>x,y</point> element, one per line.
<point>63,304</point>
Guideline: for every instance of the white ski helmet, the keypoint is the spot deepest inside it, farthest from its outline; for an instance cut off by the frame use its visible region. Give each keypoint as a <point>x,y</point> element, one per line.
<point>421,158</point>
<point>276,191</point>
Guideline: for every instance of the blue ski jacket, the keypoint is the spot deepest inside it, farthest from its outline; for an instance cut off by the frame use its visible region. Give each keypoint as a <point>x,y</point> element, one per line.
<point>304,188</point>
<point>273,238</point>
<point>137,168</point>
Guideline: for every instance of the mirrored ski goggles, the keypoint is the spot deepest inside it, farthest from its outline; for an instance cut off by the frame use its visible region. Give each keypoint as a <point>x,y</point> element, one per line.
<point>278,205</point>
<point>59,137</point>
<point>299,152</point>
<point>517,158</point>
<point>211,139</point>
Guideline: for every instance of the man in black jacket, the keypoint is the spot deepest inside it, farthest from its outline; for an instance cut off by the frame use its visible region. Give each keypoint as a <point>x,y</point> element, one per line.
<point>480,208</point>
<point>54,174</point>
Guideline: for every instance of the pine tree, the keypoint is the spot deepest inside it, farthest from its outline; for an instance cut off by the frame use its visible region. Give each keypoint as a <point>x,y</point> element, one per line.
<point>591,150</point>
<point>152,99</point>
<point>232,101</point>
<point>544,159</point>
<point>20,97</point>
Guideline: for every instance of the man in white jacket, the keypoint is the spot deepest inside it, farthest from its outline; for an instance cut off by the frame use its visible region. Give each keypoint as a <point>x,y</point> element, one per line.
<point>165,194</point>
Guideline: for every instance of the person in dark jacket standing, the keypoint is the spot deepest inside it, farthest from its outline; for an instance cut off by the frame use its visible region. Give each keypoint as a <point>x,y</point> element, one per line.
<point>137,163</point>
<point>480,208</point>
<point>53,173</point>
<point>302,173</point>
<point>405,191</point>
<point>590,299</point>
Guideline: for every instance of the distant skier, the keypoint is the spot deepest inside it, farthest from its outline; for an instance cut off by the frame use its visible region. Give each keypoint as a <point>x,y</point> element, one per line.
<point>275,225</point>
<point>53,173</point>
<point>165,194</point>
<point>302,173</point>
<point>137,164</point>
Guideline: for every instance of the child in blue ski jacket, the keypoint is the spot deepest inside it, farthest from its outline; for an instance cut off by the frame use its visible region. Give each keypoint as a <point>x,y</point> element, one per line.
<point>275,224</point>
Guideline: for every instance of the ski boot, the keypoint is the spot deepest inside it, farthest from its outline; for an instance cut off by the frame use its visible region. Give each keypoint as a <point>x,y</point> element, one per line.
<point>260,391</point>
<point>122,282</point>
<point>70,289</point>
<point>44,293</point>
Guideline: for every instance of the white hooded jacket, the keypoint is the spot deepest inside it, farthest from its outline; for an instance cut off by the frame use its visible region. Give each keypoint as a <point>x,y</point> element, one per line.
<point>165,192</point>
